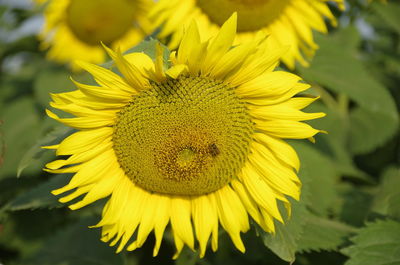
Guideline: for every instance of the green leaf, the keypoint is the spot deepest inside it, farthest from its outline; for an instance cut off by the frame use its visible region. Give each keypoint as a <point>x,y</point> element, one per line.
<point>323,234</point>
<point>284,243</point>
<point>34,153</point>
<point>2,146</point>
<point>76,245</point>
<point>51,80</point>
<point>389,13</point>
<point>40,197</point>
<point>387,200</point>
<point>365,134</point>
<point>354,205</point>
<point>321,177</point>
<point>376,244</point>
<point>24,232</point>
<point>337,67</point>
<point>333,146</point>
<point>21,128</point>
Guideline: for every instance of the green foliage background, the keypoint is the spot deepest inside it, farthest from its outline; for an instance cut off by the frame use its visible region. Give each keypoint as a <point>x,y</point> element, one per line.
<point>349,212</point>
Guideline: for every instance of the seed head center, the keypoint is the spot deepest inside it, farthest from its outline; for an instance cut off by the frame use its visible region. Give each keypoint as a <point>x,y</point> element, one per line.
<point>95,21</point>
<point>186,157</point>
<point>188,136</point>
<point>253,15</point>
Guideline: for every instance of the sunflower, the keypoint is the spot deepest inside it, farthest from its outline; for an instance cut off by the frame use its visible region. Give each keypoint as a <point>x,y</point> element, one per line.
<point>288,22</point>
<point>74,29</point>
<point>192,144</point>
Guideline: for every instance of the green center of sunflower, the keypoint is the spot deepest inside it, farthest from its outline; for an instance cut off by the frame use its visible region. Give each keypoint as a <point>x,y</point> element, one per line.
<point>253,15</point>
<point>188,136</point>
<point>93,21</point>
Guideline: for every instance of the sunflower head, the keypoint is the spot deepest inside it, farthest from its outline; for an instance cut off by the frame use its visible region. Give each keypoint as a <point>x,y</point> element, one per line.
<point>95,21</point>
<point>192,143</point>
<point>182,136</point>
<point>288,22</point>
<point>74,29</point>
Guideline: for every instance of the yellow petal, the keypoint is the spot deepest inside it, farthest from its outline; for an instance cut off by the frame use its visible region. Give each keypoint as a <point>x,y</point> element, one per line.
<point>196,59</point>
<point>162,218</point>
<point>142,216</point>
<point>277,175</point>
<point>120,199</point>
<point>220,44</point>
<point>232,215</point>
<point>249,203</point>
<point>91,171</point>
<point>262,61</point>
<point>100,189</point>
<point>282,112</point>
<point>130,216</point>
<point>104,92</point>
<point>83,140</point>
<point>281,149</point>
<point>178,244</point>
<point>82,122</point>
<point>80,157</point>
<point>232,60</point>
<point>130,72</point>
<point>270,84</point>
<point>286,129</point>
<point>190,40</point>
<point>76,193</point>
<point>105,77</point>
<point>300,102</point>
<point>159,63</point>
<point>77,110</point>
<point>141,60</point>
<point>204,218</point>
<point>260,191</point>
<point>180,220</point>
<point>175,71</point>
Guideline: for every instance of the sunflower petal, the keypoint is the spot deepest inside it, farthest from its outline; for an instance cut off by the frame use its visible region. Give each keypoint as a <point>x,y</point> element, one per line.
<point>220,44</point>
<point>232,215</point>
<point>180,220</point>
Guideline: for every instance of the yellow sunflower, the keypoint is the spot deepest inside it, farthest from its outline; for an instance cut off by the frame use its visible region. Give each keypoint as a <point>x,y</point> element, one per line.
<point>193,144</point>
<point>74,29</point>
<point>288,22</point>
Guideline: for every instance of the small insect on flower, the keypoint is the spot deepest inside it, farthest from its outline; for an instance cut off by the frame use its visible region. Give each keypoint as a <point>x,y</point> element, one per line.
<point>288,22</point>
<point>194,144</point>
<point>214,150</point>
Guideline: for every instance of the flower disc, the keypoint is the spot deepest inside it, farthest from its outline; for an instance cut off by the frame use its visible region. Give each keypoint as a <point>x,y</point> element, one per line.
<point>253,15</point>
<point>188,136</point>
<point>93,21</point>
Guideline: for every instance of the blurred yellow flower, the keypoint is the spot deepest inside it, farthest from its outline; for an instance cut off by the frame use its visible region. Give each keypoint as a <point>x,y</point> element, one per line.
<point>288,22</point>
<point>194,144</point>
<point>74,29</point>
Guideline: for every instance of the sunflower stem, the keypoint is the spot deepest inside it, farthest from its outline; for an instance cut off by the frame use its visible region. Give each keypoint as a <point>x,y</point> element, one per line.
<point>326,97</point>
<point>343,104</point>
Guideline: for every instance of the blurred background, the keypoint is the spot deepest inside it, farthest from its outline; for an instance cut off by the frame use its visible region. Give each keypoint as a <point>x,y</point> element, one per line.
<point>351,176</point>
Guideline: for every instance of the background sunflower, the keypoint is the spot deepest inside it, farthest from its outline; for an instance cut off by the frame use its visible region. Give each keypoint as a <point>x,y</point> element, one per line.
<point>287,22</point>
<point>74,29</point>
<point>348,212</point>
